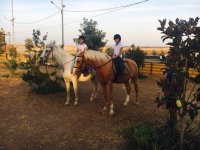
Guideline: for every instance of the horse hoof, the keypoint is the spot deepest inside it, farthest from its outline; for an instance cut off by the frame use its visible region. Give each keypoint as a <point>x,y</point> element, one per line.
<point>67,104</point>
<point>105,109</point>
<point>76,104</point>
<point>111,113</point>
<point>91,99</point>
<point>125,104</point>
<point>103,112</point>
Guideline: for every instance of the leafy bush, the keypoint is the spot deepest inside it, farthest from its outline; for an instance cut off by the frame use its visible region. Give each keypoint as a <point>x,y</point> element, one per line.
<point>41,83</point>
<point>109,51</point>
<point>162,53</point>
<point>135,54</point>
<point>11,65</point>
<point>154,53</point>
<point>2,41</point>
<point>12,52</point>
<point>147,136</point>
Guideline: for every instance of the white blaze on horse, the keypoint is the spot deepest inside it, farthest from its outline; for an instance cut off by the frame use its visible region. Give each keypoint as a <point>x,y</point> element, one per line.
<point>66,62</point>
<point>106,74</point>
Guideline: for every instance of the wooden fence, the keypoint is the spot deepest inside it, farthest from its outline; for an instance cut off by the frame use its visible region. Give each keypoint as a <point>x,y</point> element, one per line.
<point>155,69</point>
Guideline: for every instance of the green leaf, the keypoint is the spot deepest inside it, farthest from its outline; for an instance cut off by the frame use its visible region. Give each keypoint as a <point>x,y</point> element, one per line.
<point>160,28</point>
<point>177,21</point>
<point>171,44</point>
<point>192,113</point>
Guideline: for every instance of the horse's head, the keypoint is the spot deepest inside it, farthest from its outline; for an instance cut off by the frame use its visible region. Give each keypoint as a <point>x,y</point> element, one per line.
<point>79,63</point>
<point>47,53</point>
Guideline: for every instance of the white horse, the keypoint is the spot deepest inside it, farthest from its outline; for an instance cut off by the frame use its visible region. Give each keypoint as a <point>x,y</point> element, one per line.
<point>66,62</point>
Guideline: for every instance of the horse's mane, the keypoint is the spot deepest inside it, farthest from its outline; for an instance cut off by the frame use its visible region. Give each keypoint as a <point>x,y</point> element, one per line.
<point>61,50</point>
<point>97,56</point>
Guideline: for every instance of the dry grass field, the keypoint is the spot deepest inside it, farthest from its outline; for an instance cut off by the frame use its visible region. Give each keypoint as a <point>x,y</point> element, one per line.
<point>72,49</point>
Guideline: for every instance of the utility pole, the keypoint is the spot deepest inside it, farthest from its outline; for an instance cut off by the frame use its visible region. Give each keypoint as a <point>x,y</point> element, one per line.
<point>13,23</point>
<point>8,37</point>
<point>62,20</point>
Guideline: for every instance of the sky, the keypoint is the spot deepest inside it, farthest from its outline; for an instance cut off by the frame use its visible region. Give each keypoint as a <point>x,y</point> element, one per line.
<point>137,24</point>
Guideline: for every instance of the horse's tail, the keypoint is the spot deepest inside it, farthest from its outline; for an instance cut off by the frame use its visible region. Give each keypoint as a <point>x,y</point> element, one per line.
<point>134,75</point>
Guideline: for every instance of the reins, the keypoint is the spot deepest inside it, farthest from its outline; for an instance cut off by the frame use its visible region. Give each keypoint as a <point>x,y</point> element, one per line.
<point>90,65</point>
<point>102,65</point>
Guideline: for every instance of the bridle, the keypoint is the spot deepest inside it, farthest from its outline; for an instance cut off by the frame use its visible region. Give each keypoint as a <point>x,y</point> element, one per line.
<point>47,53</point>
<point>80,67</point>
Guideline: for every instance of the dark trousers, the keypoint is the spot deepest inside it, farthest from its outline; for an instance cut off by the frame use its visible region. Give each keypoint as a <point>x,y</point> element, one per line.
<point>119,65</point>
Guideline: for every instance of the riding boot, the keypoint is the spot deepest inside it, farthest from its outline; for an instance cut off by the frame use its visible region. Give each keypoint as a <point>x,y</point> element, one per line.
<point>118,64</point>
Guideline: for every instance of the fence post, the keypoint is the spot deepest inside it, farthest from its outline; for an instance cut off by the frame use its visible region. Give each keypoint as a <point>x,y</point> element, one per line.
<point>151,70</point>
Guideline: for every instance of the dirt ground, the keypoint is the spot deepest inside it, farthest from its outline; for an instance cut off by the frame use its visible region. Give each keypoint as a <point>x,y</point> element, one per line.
<point>31,121</point>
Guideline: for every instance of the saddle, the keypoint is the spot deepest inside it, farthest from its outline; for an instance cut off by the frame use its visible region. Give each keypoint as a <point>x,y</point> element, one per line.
<point>126,71</point>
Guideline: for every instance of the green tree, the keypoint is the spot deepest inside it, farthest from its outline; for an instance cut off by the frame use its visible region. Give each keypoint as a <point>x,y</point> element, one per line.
<point>12,52</point>
<point>29,45</point>
<point>162,53</point>
<point>154,53</point>
<point>109,51</point>
<point>136,54</point>
<point>11,63</point>
<point>94,36</point>
<point>2,41</point>
<point>184,54</point>
<point>38,39</point>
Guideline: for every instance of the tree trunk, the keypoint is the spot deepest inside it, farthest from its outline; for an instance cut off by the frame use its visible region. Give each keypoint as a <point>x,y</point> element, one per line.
<point>181,127</point>
<point>172,113</point>
<point>181,130</point>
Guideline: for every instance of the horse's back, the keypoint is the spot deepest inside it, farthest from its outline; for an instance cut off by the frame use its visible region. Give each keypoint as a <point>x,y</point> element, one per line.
<point>132,65</point>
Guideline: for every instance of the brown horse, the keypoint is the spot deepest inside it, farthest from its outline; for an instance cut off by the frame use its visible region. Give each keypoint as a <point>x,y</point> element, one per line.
<point>103,65</point>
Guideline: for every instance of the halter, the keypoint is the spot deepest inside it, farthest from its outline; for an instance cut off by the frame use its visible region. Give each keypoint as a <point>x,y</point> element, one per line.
<point>51,50</point>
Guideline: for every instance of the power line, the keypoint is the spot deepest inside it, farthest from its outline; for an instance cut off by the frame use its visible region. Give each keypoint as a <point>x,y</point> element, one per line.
<point>36,21</point>
<point>98,14</point>
<point>120,8</point>
<point>112,8</point>
<point>123,6</point>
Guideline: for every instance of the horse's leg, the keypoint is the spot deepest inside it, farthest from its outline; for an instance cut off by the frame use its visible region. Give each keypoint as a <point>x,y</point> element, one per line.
<point>110,98</point>
<point>134,80</point>
<point>67,83</point>
<point>94,94</point>
<point>96,82</point>
<point>128,89</point>
<point>104,91</point>
<point>75,85</point>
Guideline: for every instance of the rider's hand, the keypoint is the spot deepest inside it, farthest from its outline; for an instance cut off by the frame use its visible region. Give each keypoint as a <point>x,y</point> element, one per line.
<point>114,57</point>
